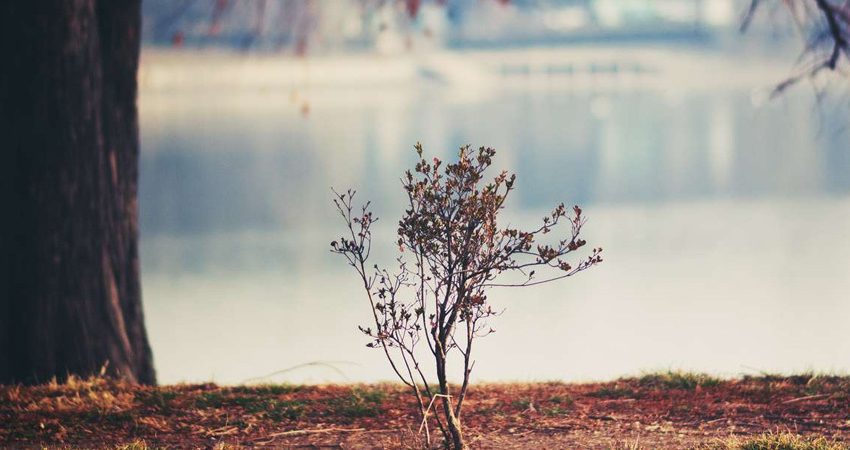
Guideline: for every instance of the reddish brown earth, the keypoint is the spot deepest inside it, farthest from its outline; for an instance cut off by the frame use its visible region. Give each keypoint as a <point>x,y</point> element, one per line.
<point>650,412</point>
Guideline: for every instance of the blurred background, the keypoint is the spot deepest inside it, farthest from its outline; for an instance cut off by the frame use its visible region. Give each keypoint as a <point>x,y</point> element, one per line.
<point>723,211</point>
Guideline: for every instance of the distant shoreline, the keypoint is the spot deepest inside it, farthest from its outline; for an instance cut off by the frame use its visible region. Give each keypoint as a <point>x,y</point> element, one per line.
<point>582,66</point>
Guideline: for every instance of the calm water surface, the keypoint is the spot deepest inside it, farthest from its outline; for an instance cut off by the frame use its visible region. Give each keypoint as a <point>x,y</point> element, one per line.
<point>725,223</point>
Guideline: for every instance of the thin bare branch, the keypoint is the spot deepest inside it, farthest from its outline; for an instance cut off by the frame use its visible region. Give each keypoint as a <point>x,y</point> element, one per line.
<point>452,251</point>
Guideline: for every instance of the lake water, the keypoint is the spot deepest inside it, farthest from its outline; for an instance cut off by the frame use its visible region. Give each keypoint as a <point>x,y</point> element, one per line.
<point>724,221</point>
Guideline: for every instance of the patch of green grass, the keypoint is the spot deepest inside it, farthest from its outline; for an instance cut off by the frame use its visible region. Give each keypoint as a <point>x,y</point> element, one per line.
<point>768,378</point>
<point>613,392</point>
<point>521,404</point>
<point>783,441</point>
<point>267,389</point>
<point>249,403</point>
<point>564,400</point>
<point>371,395</point>
<point>487,410</point>
<point>677,380</point>
<point>212,399</point>
<point>360,403</point>
<point>273,408</point>
<point>106,417</point>
<point>556,411</point>
<point>289,410</point>
<point>811,383</point>
<point>277,409</point>
<point>159,399</point>
<point>827,384</point>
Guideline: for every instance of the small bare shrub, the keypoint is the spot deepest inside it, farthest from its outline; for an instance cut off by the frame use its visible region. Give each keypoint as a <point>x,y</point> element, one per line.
<point>452,253</point>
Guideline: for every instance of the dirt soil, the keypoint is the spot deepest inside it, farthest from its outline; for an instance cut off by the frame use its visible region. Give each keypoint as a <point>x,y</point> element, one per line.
<point>647,412</point>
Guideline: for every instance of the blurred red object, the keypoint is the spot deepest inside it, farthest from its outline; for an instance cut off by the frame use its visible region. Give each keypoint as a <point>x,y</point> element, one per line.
<point>177,39</point>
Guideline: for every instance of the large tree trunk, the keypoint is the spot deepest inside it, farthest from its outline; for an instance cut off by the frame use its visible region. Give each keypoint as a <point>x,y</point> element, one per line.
<point>70,298</point>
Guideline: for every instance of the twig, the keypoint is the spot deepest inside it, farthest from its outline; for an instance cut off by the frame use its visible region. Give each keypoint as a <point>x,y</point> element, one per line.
<point>720,419</point>
<point>748,17</point>
<point>220,431</point>
<point>326,364</point>
<point>314,431</point>
<point>808,397</point>
<point>424,424</point>
<point>835,31</point>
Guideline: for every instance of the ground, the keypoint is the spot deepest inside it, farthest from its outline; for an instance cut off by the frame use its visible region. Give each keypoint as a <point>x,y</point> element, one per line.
<point>668,410</point>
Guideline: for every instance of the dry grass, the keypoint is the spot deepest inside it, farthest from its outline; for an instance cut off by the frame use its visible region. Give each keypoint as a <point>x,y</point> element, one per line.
<point>779,441</point>
<point>677,380</point>
<point>670,410</point>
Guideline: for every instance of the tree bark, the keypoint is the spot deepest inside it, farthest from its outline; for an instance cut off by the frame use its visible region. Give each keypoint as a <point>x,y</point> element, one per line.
<point>70,294</point>
<point>454,438</point>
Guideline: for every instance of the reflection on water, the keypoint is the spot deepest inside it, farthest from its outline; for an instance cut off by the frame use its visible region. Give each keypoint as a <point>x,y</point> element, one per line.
<point>724,226</point>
